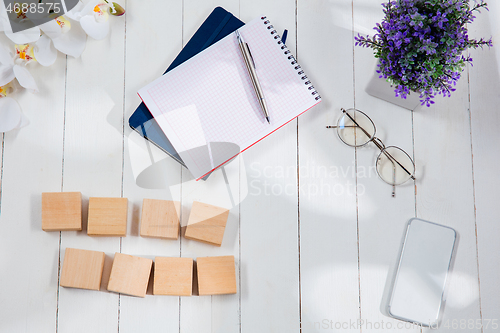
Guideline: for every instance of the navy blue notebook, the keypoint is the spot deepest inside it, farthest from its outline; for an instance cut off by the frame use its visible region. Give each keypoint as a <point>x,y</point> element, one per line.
<point>218,25</point>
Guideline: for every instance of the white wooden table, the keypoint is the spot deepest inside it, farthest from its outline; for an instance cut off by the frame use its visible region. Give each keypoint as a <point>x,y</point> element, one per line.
<point>313,254</point>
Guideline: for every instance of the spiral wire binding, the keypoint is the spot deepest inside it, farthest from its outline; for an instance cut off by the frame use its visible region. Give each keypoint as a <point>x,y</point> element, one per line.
<point>292,58</point>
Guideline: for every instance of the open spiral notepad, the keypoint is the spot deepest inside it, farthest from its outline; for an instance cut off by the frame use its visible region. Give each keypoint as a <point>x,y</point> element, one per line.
<point>207,106</point>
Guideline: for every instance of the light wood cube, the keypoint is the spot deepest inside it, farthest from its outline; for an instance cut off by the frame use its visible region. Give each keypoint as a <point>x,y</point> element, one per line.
<point>173,276</point>
<point>107,217</point>
<point>216,275</point>
<point>61,211</point>
<point>207,223</point>
<point>160,218</point>
<point>82,269</point>
<point>130,275</point>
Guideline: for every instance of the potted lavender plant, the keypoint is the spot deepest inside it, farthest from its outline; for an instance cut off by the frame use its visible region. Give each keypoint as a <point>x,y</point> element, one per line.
<point>420,46</point>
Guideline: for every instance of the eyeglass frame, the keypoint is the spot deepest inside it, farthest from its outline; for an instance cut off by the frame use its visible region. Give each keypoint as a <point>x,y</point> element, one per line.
<point>380,145</point>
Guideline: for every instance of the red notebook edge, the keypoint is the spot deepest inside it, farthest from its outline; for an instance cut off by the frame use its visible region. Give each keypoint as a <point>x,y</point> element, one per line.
<point>265,136</point>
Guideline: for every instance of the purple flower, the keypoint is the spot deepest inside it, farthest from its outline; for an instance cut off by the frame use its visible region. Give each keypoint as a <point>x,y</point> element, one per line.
<point>420,45</point>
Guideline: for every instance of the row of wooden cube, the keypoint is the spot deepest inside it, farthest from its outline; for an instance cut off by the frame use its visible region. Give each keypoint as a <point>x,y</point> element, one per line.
<point>130,274</point>
<point>108,217</point>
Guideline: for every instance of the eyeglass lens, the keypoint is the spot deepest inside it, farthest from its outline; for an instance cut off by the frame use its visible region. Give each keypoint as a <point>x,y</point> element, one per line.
<point>394,165</point>
<point>355,128</point>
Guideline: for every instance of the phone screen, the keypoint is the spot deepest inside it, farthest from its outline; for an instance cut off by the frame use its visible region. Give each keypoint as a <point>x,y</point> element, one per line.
<point>424,263</point>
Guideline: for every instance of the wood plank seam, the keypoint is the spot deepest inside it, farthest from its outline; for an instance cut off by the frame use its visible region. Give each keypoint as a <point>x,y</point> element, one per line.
<point>298,171</point>
<point>59,264</point>
<point>474,191</point>
<point>356,163</point>
<point>122,185</point>
<point>1,169</point>
<point>413,156</point>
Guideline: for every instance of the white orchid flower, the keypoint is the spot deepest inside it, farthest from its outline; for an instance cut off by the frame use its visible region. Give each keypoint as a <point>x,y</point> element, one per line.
<point>26,36</point>
<point>15,66</point>
<point>94,15</point>
<point>58,34</point>
<point>11,116</point>
<point>62,35</point>
<point>93,18</point>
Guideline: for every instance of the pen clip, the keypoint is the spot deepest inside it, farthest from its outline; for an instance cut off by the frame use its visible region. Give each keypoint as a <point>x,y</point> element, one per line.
<point>245,45</point>
<point>250,53</point>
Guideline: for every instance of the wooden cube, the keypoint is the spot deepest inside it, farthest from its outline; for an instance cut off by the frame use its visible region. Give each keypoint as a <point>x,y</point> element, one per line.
<point>61,211</point>
<point>107,217</point>
<point>160,218</point>
<point>216,275</point>
<point>207,223</point>
<point>82,269</point>
<point>173,276</point>
<point>130,275</point>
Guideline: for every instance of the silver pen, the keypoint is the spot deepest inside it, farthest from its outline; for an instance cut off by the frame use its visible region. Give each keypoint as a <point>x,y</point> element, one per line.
<point>250,64</point>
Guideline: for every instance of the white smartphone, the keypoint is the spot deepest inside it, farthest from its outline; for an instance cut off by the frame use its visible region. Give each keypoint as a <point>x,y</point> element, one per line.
<point>424,264</point>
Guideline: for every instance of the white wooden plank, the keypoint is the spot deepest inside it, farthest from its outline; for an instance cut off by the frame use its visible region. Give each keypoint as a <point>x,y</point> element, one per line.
<point>93,155</point>
<point>328,231</point>
<point>32,165</point>
<point>148,172</point>
<point>1,169</point>
<point>485,120</point>
<point>382,218</point>
<point>196,11</point>
<point>269,214</point>
<point>445,194</point>
<point>210,313</point>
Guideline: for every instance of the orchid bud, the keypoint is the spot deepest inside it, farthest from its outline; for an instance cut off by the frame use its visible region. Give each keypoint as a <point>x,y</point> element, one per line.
<point>116,10</point>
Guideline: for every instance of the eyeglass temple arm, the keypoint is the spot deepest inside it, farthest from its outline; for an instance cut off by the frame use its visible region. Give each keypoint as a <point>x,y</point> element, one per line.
<point>379,146</point>
<point>393,179</point>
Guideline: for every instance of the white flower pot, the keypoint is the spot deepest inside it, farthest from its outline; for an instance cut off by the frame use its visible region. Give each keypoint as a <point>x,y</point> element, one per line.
<point>380,88</point>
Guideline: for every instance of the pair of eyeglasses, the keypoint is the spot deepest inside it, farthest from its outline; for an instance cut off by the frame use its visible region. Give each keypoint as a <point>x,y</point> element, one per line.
<point>394,166</point>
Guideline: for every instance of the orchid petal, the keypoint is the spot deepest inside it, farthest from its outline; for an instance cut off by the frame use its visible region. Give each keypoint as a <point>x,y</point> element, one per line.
<point>45,53</point>
<point>4,22</point>
<point>25,78</point>
<point>24,37</point>
<point>24,121</point>
<point>96,30</point>
<point>6,74</point>
<point>6,63</point>
<point>10,114</point>
<point>51,29</point>
<point>89,7</point>
<point>76,12</point>
<point>6,57</point>
<point>72,42</point>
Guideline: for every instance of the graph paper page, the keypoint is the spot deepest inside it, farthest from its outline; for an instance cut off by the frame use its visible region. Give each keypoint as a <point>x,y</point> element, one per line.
<point>207,106</point>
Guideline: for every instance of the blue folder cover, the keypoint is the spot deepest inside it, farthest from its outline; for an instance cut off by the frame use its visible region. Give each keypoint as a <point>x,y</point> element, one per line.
<point>218,25</point>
